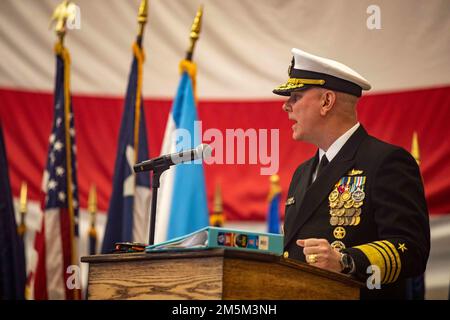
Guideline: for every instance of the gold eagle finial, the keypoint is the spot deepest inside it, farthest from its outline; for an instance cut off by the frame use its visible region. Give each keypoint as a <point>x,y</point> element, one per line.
<point>65,11</point>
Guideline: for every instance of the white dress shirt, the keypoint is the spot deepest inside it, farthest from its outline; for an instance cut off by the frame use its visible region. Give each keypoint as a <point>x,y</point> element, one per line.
<point>335,147</point>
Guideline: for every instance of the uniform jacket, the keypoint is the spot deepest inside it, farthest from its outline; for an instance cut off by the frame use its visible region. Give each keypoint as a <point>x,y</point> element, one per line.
<point>382,181</point>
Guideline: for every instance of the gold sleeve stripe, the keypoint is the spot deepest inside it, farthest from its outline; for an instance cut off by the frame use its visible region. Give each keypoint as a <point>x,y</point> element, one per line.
<point>395,266</point>
<point>375,257</point>
<point>397,258</point>
<point>388,262</point>
<point>390,257</point>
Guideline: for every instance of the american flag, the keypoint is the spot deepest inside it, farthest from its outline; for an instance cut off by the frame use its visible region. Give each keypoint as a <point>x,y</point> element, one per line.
<point>55,276</point>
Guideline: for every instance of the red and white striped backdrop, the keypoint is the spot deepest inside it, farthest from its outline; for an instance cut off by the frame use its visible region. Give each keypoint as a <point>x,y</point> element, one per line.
<point>243,52</point>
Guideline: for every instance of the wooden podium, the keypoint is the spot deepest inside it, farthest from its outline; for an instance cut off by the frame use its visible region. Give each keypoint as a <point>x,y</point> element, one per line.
<point>212,274</point>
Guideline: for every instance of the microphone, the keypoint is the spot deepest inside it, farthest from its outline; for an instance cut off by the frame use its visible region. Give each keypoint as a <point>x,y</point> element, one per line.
<point>202,151</point>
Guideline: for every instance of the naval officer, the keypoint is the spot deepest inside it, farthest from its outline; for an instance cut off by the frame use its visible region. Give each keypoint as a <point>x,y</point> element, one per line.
<point>359,202</point>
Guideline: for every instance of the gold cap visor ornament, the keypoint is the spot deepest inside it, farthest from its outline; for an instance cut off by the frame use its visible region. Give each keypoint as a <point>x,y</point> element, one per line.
<point>308,70</point>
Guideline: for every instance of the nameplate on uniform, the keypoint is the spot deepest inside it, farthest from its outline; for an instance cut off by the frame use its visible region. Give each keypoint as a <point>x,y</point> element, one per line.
<point>290,201</point>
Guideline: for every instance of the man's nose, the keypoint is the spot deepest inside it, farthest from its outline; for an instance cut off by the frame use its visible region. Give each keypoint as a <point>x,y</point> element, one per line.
<point>286,107</point>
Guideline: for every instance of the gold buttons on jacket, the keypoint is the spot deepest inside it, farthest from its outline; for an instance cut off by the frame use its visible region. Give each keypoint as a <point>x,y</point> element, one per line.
<point>285,254</point>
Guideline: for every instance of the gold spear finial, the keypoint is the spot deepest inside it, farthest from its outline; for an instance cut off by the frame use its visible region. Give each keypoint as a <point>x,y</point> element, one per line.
<point>23,197</point>
<point>22,209</point>
<point>195,32</point>
<point>274,186</point>
<point>415,152</point>
<point>92,209</point>
<point>217,217</point>
<point>142,17</point>
<point>218,200</point>
<point>274,179</point>
<point>92,199</point>
<point>64,11</point>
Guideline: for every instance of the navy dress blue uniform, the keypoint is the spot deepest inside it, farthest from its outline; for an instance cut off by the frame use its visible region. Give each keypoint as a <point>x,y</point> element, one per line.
<point>368,202</point>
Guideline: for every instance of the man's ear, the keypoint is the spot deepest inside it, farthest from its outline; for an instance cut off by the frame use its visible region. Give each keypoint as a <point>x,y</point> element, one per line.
<point>327,102</point>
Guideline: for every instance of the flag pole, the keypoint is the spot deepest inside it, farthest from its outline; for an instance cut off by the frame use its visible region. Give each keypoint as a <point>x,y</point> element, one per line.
<point>92,209</point>
<point>142,20</point>
<point>21,229</point>
<point>415,151</point>
<point>217,218</point>
<point>139,54</point>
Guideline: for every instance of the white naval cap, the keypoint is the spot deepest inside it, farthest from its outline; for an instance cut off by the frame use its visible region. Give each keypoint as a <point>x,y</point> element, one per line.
<point>308,70</point>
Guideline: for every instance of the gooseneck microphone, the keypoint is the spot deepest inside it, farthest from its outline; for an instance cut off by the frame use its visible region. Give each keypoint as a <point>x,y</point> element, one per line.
<point>203,151</point>
<point>158,166</point>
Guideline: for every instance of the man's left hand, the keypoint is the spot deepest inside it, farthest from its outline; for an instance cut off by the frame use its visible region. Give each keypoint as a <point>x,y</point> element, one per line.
<point>319,253</point>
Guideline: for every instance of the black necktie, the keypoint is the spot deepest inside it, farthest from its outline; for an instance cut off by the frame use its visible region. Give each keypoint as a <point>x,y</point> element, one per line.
<point>323,163</point>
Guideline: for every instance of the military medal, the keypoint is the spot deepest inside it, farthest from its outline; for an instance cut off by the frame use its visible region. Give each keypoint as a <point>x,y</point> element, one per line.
<point>333,195</point>
<point>357,204</point>
<point>358,195</point>
<point>333,204</point>
<point>338,245</point>
<point>345,196</point>
<point>345,202</point>
<point>348,204</point>
<point>340,204</point>
<point>352,221</point>
<point>350,212</point>
<point>334,221</point>
<point>348,220</point>
<point>339,233</point>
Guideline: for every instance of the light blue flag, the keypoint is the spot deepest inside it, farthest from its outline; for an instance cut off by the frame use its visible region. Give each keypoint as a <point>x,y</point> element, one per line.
<point>189,209</point>
<point>273,214</point>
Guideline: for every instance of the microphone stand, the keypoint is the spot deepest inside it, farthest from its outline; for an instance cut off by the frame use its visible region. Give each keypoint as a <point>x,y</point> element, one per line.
<point>157,171</point>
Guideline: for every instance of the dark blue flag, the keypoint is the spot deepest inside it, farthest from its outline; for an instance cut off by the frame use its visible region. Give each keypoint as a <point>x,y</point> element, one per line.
<point>128,213</point>
<point>12,254</point>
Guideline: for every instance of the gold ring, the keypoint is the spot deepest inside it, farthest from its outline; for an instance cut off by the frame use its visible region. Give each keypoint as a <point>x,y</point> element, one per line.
<point>311,258</point>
